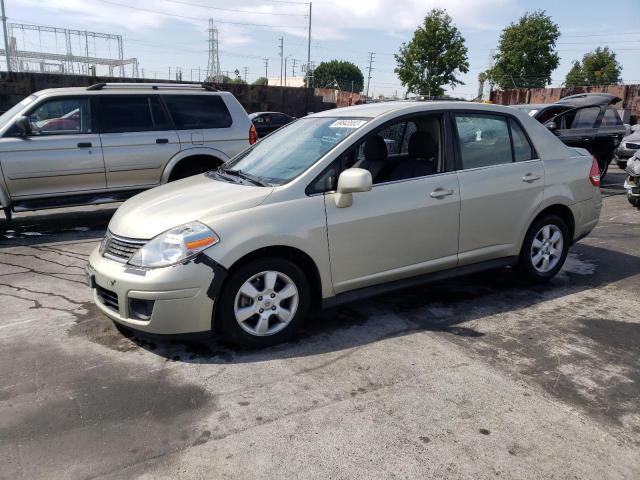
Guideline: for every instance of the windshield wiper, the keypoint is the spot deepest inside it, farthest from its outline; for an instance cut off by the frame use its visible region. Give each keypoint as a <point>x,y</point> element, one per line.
<point>245,176</point>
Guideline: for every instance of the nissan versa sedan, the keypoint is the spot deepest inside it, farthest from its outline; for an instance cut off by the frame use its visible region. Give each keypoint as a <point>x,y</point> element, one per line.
<point>341,205</point>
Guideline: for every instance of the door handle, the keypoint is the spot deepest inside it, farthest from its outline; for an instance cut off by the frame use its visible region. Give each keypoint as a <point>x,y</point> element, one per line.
<point>585,139</point>
<point>441,193</point>
<point>530,177</point>
<point>84,145</point>
<point>162,140</point>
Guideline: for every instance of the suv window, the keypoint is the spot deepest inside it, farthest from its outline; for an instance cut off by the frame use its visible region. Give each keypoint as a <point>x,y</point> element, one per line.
<point>611,118</point>
<point>61,116</point>
<point>585,118</point>
<point>198,111</point>
<point>484,140</point>
<point>126,113</point>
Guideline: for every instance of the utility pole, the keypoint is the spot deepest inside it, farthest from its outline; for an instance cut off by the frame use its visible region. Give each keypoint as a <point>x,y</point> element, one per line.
<point>281,58</point>
<point>371,55</point>
<point>266,68</point>
<point>309,48</point>
<point>6,38</point>
<point>246,70</point>
<point>285,71</point>
<point>293,68</point>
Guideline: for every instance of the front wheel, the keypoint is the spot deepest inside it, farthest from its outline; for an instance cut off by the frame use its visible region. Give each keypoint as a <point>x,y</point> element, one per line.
<point>634,200</point>
<point>263,303</point>
<point>545,248</point>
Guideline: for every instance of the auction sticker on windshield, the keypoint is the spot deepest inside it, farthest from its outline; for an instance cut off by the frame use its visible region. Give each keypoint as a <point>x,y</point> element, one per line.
<point>347,123</point>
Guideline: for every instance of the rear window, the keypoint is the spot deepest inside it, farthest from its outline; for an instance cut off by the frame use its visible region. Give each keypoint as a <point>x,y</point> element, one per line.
<point>190,112</point>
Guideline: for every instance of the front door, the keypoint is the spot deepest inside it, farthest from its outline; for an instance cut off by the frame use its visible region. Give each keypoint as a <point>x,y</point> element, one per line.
<point>61,155</point>
<point>138,139</point>
<point>501,186</point>
<point>408,223</point>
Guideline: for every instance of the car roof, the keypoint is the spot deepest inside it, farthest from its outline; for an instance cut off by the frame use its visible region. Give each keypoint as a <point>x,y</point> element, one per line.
<point>585,99</point>
<point>373,110</point>
<point>144,89</point>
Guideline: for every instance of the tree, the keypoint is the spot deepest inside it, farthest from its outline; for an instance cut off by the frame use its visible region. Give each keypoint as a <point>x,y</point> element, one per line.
<point>340,74</point>
<point>526,53</point>
<point>599,67</point>
<point>433,57</point>
<point>261,81</point>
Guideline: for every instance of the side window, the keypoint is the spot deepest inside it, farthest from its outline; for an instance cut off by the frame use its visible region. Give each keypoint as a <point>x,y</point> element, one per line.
<point>160,119</point>
<point>392,136</point>
<point>61,116</point>
<point>130,113</point>
<point>522,150</point>
<point>585,118</point>
<point>611,118</point>
<point>258,119</point>
<point>484,140</point>
<point>198,111</point>
<point>411,129</point>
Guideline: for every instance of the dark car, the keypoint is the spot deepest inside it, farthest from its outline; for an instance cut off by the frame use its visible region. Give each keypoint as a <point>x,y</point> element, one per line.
<point>586,120</point>
<point>268,122</point>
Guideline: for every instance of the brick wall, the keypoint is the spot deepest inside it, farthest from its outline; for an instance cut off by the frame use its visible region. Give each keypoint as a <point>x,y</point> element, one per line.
<point>630,95</point>
<point>254,98</point>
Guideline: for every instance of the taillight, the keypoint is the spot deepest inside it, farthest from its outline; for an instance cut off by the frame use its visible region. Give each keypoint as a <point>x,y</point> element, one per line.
<point>253,135</point>
<point>594,174</point>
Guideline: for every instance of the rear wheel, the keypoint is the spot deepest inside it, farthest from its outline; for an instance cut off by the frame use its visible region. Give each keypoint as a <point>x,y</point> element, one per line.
<point>263,303</point>
<point>622,163</point>
<point>545,248</point>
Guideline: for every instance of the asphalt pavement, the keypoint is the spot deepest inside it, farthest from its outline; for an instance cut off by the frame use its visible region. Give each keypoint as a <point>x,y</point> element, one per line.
<point>479,377</point>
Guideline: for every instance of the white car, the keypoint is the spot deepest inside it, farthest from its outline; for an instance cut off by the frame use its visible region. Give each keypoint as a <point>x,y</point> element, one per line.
<point>341,205</point>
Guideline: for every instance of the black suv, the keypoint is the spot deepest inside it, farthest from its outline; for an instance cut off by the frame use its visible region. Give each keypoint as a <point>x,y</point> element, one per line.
<point>585,120</point>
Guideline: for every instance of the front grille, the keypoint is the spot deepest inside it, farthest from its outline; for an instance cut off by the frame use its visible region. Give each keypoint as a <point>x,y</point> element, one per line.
<point>633,146</point>
<point>121,249</point>
<point>108,298</point>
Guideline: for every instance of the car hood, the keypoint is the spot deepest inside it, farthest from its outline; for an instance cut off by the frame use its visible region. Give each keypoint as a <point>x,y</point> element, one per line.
<point>195,198</point>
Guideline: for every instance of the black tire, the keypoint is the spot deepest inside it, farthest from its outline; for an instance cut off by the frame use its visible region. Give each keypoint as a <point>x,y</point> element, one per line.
<point>635,201</point>
<point>622,164</point>
<point>225,318</point>
<point>525,261</point>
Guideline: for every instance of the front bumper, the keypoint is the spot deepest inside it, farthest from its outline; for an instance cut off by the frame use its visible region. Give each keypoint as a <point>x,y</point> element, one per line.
<point>625,153</point>
<point>180,296</point>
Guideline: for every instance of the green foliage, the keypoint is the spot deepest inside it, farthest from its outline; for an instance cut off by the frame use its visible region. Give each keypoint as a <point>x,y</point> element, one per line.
<point>599,67</point>
<point>348,76</point>
<point>433,57</point>
<point>526,53</point>
<point>261,81</point>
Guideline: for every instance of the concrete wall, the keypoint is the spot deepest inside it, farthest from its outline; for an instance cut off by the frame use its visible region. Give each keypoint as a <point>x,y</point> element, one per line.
<point>630,95</point>
<point>254,98</point>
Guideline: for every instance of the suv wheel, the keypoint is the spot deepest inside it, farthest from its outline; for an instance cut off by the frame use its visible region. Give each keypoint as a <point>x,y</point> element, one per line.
<point>545,248</point>
<point>263,303</point>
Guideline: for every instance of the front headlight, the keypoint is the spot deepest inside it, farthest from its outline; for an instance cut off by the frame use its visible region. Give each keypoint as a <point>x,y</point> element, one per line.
<point>175,245</point>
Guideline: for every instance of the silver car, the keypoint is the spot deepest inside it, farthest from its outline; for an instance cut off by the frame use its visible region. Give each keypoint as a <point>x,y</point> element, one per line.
<point>106,142</point>
<point>341,205</point>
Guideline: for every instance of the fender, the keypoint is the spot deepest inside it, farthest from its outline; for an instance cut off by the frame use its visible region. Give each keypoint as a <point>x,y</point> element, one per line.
<point>190,152</point>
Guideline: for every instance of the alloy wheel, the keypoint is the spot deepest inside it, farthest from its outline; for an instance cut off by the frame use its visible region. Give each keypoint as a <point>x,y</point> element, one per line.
<point>266,303</point>
<point>546,248</point>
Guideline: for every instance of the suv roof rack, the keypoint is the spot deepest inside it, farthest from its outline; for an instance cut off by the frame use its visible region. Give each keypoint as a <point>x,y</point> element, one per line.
<point>154,86</point>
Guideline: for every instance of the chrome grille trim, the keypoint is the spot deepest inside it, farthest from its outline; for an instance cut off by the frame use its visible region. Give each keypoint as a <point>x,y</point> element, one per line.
<point>121,249</point>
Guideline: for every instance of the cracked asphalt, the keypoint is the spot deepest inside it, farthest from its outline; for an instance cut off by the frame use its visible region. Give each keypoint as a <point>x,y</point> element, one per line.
<point>474,378</point>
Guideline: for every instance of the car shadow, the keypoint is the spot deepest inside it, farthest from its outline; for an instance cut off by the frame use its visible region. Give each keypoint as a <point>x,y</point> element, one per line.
<point>442,307</point>
<point>55,226</point>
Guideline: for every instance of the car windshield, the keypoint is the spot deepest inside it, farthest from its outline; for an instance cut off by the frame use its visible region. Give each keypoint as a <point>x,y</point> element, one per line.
<point>288,152</point>
<point>9,114</point>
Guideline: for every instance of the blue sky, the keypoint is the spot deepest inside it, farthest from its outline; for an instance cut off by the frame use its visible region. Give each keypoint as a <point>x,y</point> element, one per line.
<point>171,33</point>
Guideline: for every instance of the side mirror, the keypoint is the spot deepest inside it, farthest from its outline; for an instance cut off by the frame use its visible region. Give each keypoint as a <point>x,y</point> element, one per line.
<point>551,126</point>
<point>352,180</point>
<point>24,125</point>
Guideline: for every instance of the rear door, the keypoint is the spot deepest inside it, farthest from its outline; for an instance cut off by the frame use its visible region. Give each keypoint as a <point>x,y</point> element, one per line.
<point>609,134</point>
<point>204,120</point>
<point>62,155</point>
<point>501,185</point>
<point>578,127</point>
<point>137,139</point>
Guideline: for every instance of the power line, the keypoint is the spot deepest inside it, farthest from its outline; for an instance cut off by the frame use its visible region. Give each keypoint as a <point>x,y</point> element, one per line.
<point>198,19</point>
<point>252,12</point>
